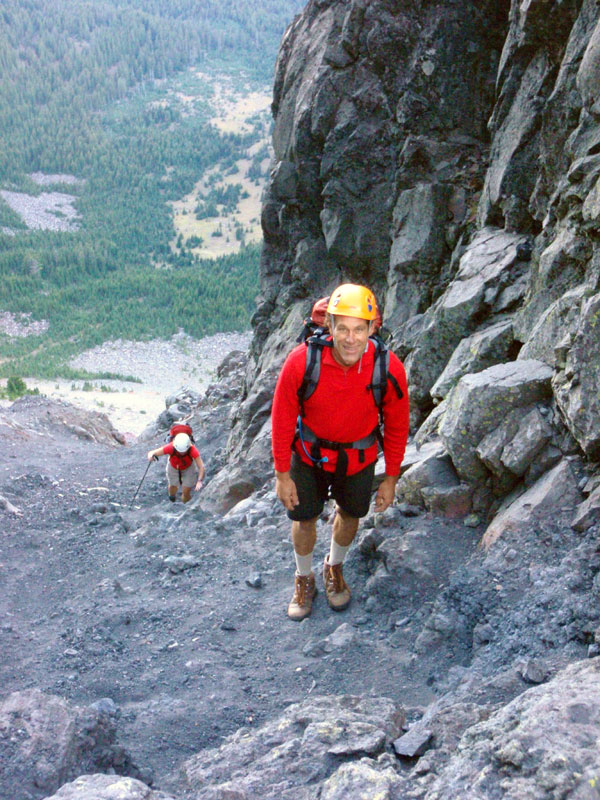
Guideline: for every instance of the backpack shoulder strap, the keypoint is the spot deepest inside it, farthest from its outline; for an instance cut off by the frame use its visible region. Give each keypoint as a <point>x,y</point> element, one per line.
<point>312,369</point>
<point>396,385</point>
<point>379,378</point>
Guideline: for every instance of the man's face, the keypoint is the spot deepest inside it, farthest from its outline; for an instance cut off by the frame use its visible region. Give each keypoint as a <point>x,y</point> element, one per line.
<point>350,336</point>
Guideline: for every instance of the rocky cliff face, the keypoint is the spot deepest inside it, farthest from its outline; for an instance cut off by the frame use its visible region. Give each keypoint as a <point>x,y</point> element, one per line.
<point>446,154</point>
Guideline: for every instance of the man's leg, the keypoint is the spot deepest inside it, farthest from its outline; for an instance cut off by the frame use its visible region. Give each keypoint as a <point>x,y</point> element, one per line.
<point>304,537</point>
<point>172,481</point>
<point>353,497</point>
<point>344,531</point>
<point>188,479</point>
<point>311,495</point>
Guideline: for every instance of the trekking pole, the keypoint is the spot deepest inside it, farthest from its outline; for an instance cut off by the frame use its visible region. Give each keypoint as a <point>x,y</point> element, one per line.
<point>154,458</point>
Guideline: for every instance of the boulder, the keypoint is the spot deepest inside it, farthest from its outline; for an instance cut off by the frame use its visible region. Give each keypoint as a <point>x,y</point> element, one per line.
<point>48,741</point>
<point>416,454</point>
<point>540,745</point>
<point>510,449</point>
<point>556,323</point>
<point>107,787</point>
<point>427,433</point>
<point>288,757</point>
<point>480,402</point>
<point>489,264</point>
<point>555,272</point>
<point>432,483</point>
<point>414,743</point>
<point>187,398</point>
<point>433,468</point>
<point>365,778</point>
<point>576,387</point>
<point>588,512</point>
<point>553,492</point>
<point>475,353</point>
<point>451,502</point>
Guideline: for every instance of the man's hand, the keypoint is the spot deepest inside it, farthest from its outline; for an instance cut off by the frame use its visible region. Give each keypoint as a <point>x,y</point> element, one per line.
<point>385,493</point>
<point>285,488</point>
<point>152,456</point>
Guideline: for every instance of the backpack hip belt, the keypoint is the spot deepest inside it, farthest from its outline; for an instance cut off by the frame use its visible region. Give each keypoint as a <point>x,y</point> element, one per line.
<point>305,434</point>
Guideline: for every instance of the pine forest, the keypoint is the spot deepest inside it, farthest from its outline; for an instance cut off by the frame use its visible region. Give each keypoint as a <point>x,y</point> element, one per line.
<point>106,123</point>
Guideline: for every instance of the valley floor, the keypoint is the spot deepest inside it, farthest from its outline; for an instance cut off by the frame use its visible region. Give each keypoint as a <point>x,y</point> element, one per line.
<point>161,367</point>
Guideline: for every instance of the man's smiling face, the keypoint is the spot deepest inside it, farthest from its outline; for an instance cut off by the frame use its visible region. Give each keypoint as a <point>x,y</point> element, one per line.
<point>350,336</point>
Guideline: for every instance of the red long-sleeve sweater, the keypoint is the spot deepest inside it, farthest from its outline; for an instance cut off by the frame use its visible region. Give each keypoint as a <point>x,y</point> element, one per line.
<point>341,409</point>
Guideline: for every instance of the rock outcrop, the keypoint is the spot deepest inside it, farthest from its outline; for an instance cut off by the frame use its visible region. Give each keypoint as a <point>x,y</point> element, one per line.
<point>304,749</point>
<point>47,741</point>
<point>448,157</point>
<point>540,745</point>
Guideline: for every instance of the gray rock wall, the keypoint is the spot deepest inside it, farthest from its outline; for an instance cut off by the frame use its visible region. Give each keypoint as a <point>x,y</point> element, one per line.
<point>449,156</point>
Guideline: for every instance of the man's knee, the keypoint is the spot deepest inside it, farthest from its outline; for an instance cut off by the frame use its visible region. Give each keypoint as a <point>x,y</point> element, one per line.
<point>344,527</point>
<point>344,515</point>
<point>307,525</point>
<point>304,536</point>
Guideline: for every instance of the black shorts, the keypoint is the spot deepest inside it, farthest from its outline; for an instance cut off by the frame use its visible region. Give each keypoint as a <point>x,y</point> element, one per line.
<point>352,492</point>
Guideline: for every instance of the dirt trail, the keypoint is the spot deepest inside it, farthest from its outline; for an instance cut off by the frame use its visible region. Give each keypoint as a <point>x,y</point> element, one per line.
<point>154,607</point>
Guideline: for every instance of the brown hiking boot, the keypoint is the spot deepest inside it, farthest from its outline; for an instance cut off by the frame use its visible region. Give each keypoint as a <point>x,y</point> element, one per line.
<point>338,593</point>
<point>305,592</point>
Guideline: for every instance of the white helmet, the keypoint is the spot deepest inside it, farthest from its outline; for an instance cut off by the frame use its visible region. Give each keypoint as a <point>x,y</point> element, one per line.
<point>182,443</point>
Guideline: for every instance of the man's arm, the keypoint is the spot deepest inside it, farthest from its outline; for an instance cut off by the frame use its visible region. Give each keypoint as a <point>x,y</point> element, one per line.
<point>395,419</point>
<point>284,413</point>
<point>385,493</point>
<point>286,491</point>
<point>201,471</point>
<point>395,426</point>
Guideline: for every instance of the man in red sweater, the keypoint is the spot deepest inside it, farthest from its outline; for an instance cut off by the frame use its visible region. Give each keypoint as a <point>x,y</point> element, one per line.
<point>325,446</point>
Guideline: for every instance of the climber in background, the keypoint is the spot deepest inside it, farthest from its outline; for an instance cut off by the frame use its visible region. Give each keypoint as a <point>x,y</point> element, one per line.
<point>185,467</point>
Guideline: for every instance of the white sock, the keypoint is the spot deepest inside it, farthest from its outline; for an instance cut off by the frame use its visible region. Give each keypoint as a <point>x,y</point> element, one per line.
<point>303,563</point>
<point>337,553</point>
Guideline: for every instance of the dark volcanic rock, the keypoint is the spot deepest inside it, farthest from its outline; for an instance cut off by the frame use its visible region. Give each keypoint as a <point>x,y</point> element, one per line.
<point>46,741</point>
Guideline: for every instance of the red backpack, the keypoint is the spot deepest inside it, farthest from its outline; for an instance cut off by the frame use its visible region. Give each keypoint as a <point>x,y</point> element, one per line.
<point>184,459</point>
<point>180,427</point>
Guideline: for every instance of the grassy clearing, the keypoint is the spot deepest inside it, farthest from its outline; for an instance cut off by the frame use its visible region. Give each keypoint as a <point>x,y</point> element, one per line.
<point>240,111</point>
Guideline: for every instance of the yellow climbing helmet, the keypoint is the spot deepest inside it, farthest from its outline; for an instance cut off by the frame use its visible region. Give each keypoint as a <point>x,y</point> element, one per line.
<point>351,300</point>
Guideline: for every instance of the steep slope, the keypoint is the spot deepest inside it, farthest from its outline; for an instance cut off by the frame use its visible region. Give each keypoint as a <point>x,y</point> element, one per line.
<point>479,239</point>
